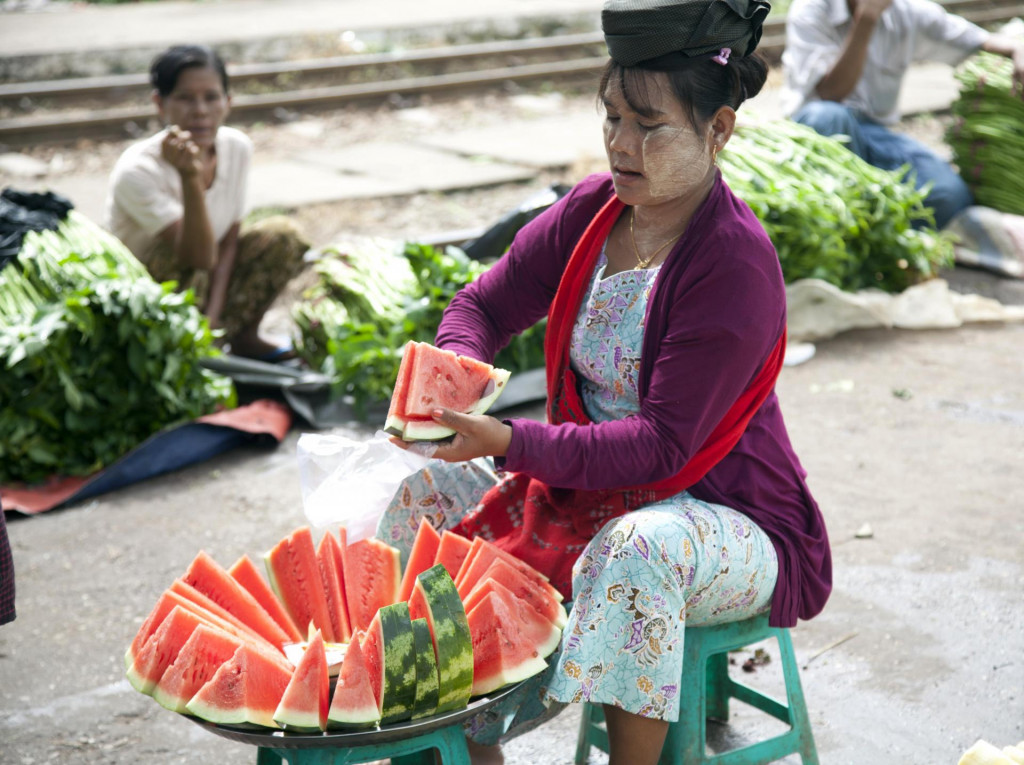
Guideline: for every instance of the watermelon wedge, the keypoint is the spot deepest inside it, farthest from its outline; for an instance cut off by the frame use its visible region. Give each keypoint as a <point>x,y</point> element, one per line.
<point>294,574</point>
<point>328,556</point>
<point>354,704</point>
<point>244,572</point>
<point>162,649</point>
<point>207,576</point>
<point>190,593</point>
<point>500,654</point>
<point>245,690</point>
<point>304,705</point>
<point>524,588</point>
<point>532,628</point>
<point>372,574</point>
<point>390,653</point>
<point>421,557</point>
<point>430,378</point>
<point>451,551</point>
<point>449,630</point>
<point>426,670</point>
<point>480,557</point>
<point>198,660</point>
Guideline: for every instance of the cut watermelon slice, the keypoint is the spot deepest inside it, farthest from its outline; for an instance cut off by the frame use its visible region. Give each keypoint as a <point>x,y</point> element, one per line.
<point>294,575</point>
<point>452,550</point>
<point>198,660</point>
<point>328,556</point>
<point>304,705</point>
<point>219,617</point>
<point>421,557</point>
<point>245,572</point>
<point>390,652</point>
<point>207,576</point>
<point>430,378</point>
<point>453,648</point>
<point>533,628</point>
<point>426,670</point>
<point>162,649</point>
<point>245,690</point>
<point>354,704</point>
<point>372,576</point>
<point>540,599</point>
<point>500,654</point>
<point>480,557</point>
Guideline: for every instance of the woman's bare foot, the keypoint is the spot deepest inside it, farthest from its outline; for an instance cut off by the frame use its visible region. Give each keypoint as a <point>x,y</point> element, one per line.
<point>484,755</point>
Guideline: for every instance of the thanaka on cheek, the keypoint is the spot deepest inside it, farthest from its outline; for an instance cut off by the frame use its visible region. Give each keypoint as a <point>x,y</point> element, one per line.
<point>675,162</point>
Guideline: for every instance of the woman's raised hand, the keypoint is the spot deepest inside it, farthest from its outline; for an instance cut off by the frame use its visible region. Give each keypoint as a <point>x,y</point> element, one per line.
<point>181,152</point>
<point>476,435</point>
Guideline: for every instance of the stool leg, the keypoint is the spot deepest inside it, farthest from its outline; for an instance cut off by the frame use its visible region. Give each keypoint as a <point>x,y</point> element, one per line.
<point>717,688</point>
<point>266,756</point>
<point>686,741</point>
<point>795,700</point>
<point>591,733</point>
<point>451,744</point>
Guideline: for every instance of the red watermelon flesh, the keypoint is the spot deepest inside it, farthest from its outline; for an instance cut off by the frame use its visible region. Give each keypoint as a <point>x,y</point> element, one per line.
<point>303,706</point>
<point>500,654</point>
<point>421,557</point>
<point>372,577</point>
<point>328,556</point>
<point>534,628</point>
<point>396,411</point>
<point>187,591</point>
<point>210,578</point>
<point>245,690</point>
<point>524,588</point>
<point>477,563</point>
<point>294,574</point>
<point>418,608</point>
<point>451,551</point>
<point>244,572</point>
<point>440,378</point>
<point>162,649</point>
<point>354,704</point>
<point>197,661</point>
<point>373,655</point>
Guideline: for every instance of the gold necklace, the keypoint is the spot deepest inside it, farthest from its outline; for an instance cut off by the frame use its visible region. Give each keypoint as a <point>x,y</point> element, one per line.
<point>642,263</point>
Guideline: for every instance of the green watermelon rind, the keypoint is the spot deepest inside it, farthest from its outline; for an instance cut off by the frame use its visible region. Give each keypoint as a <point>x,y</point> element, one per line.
<point>426,671</point>
<point>452,640</point>
<point>398,681</point>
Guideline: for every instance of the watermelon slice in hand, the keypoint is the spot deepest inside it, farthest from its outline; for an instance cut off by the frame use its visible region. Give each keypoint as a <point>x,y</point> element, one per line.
<point>430,378</point>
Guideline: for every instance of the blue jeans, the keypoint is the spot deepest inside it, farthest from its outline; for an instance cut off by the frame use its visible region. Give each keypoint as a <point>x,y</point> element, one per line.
<point>879,146</point>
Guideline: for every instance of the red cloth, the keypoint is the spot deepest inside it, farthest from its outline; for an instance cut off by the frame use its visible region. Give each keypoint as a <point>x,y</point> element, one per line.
<point>549,527</point>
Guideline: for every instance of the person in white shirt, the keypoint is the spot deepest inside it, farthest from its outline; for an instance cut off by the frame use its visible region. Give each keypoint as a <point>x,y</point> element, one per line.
<point>844,64</point>
<point>177,200</point>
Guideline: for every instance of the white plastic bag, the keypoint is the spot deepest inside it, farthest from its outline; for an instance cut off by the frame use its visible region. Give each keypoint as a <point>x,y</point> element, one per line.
<point>350,483</point>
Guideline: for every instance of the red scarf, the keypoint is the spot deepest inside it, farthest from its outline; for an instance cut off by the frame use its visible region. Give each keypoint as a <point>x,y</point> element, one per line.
<point>549,527</point>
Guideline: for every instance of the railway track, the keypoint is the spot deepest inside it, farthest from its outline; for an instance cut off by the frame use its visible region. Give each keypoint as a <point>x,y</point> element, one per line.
<point>118,106</point>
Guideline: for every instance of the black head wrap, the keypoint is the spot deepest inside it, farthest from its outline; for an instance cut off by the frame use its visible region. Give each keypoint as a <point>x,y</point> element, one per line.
<point>652,34</point>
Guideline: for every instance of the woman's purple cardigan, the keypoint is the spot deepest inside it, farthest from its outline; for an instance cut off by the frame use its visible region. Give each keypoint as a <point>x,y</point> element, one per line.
<point>716,310</point>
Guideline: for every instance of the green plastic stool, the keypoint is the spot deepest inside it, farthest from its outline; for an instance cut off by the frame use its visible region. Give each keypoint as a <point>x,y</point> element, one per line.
<point>705,690</point>
<point>450,742</point>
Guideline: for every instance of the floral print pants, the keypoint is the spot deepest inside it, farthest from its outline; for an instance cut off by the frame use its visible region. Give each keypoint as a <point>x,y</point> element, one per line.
<point>641,580</point>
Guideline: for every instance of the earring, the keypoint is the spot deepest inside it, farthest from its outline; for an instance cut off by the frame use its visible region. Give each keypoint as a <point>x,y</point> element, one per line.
<point>714,154</point>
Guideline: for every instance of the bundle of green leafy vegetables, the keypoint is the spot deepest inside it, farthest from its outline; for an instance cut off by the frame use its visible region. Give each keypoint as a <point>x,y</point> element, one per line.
<point>370,299</point>
<point>830,214</point>
<point>987,135</point>
<point>95,356</point>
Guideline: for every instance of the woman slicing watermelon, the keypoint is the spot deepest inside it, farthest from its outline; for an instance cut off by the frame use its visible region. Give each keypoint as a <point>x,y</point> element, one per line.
<point>663,492</point>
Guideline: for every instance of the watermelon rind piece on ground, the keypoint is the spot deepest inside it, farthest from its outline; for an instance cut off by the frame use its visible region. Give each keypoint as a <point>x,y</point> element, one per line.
<point>426,670</point>
<point>544,600</point>
<point>303,707</point>
<point>421,557</point>
<point>451,551</point>
<point>373,574</point>
<point>198,660</point>
<point>245,572</point>
<point>449,629</point>
<point>500,654</point>
<point>211,579</point>
<point>161,649</point>
<point>328,555</point>
<point>294,574</point>
<point>353,704</point>
<point>244,691</point>
<point>390,646</point>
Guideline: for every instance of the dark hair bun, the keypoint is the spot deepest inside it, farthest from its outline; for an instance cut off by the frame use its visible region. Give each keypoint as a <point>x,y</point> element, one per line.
<point>168,66</point>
